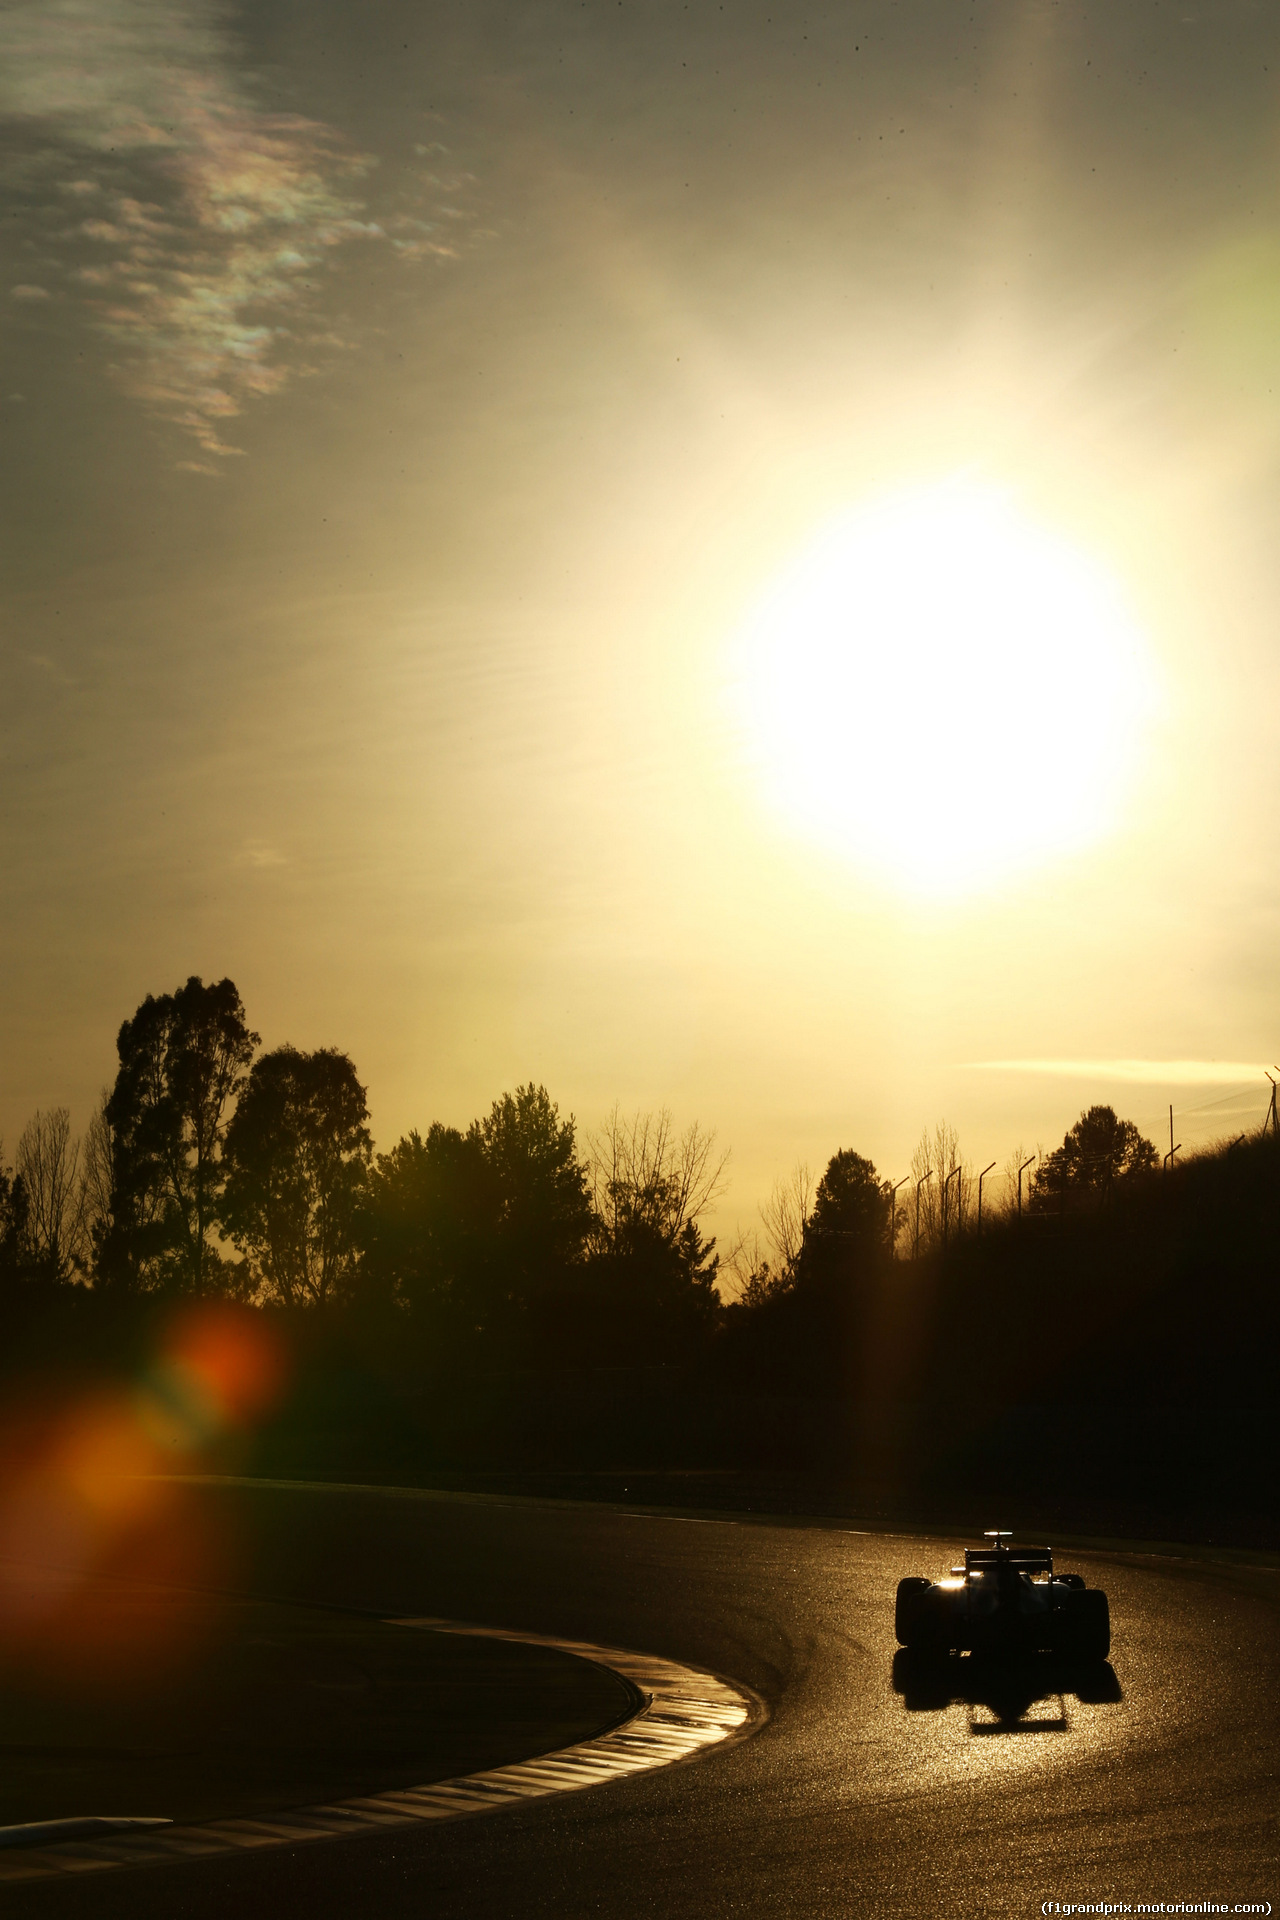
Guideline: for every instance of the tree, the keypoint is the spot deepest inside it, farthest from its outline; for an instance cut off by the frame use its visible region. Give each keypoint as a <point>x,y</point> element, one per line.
<point>296,1163</point>
<point>1099,1150</point>
<point>945,1197</point>
<point>538,1187</point>
<point>811,1337</point>
<point>849,1225</point>
<point>429,1226</point>
<point>761,1270</point>
<point>652,1270</point>
<point>182,1062</point>
<point>13,1227</point>
<point>483,1234</point>
<point>97,1181</point>
<point>642,1175</point>
<point>1017,1170</point>
<point>47,1163</point>
<point>786,1215</point>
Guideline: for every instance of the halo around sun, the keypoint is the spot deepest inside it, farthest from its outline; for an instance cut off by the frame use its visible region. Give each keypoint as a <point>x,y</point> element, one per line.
<point>943,691</point>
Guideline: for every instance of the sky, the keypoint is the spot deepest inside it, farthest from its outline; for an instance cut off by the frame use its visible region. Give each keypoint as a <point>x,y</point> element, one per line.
<point>714,556</point>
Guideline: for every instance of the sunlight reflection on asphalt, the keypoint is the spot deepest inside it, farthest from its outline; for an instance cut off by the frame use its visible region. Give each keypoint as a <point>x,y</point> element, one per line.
<point>1007,1786</point>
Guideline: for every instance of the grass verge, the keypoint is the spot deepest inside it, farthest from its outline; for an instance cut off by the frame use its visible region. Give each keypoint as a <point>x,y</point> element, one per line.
<point>199,1707</point>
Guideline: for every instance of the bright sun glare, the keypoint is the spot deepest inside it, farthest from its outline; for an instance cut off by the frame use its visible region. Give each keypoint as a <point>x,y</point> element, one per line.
<point>944,691</point>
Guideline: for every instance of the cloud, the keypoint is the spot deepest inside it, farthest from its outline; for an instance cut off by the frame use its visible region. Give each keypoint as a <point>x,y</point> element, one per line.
<point>1154,1073</point>
<point>29,293</point>
<point>49,669</point>
<point>258,854</point>
<point>212,221</point>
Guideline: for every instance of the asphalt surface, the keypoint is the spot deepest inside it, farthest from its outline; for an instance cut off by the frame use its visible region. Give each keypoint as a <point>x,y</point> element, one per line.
<point>1162,1784</point>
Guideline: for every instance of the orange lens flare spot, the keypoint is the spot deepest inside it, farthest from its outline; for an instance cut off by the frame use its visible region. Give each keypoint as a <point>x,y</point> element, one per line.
<point>46,1543</point>
<point>99,1547</point>
<point>226,1362</point>
<point>101,1458</point>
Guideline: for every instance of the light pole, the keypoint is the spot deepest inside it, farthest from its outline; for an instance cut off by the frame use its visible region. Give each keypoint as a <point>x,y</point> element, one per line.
<point>893,1216</point>
<point>915,1244</point>
<point>1021,1170</point>
<point>981,1177</point>
<point>1172,1149</point>
<point>946,1183</point>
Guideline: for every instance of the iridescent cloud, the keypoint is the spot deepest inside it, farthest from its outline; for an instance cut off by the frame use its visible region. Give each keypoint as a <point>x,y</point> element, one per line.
<point>196,225</point>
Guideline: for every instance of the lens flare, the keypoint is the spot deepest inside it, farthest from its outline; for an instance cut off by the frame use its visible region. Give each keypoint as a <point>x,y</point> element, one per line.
<point>99,1545</point>
<point>220,1369</point>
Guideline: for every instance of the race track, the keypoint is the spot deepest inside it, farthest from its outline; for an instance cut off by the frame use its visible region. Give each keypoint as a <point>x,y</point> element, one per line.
<point>1162,1785</point>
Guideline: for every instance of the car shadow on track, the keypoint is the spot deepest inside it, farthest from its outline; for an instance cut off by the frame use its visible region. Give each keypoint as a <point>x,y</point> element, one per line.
<point>1007,1689</point>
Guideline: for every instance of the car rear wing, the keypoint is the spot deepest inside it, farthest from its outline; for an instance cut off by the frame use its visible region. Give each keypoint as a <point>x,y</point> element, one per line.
<point>1020,1559</point>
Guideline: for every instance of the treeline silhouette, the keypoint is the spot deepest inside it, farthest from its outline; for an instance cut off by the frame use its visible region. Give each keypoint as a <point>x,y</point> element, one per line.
<point>208,1173</point>
<point>516,1295</point>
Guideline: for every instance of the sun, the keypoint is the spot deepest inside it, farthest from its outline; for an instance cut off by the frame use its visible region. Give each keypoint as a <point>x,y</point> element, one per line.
<point>944,691</point>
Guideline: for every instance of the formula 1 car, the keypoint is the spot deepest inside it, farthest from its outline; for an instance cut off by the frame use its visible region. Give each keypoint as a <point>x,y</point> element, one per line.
<point>1006,1601</point>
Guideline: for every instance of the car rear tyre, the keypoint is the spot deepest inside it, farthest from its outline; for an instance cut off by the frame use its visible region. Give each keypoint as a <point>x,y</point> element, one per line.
<point>908,1612</point>
<point>1089,1625</point>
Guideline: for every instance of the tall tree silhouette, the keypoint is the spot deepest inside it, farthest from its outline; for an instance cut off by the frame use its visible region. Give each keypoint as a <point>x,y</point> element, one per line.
<point>944,1197</point>
<point>182,1062</point>
<point>653,1271</point>
<point>430,1224</point>
<point>48,1162</point>
<point>849,1223</point>
<point>542,1208</point>
<point>297,1157</point>
<point>97,1181</point>
<point>13,1227</point>
<point>810,1336</point>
